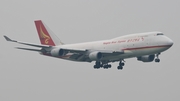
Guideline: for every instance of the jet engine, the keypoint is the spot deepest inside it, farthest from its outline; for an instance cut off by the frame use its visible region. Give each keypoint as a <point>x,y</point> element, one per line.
<point>95,55</point>
<point>146,58</point>
<point>57,52</point>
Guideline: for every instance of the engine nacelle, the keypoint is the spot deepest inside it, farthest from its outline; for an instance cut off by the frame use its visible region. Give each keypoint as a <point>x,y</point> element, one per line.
<point>57,52</point>
<point>146,58</point>
<point>95,55</point>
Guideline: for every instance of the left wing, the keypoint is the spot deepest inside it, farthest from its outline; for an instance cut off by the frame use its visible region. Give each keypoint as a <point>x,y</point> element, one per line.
<point>25,43</point>
<point>76,54</point>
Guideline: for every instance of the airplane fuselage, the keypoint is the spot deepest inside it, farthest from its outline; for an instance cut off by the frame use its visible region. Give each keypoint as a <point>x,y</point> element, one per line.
<point>134,45</point>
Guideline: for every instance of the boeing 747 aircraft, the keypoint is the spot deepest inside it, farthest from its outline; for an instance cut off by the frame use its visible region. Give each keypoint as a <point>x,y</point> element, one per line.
<point>146,47</point>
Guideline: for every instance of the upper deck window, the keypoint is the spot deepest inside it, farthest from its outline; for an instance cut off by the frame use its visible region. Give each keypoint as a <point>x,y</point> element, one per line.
<point>160,34</point>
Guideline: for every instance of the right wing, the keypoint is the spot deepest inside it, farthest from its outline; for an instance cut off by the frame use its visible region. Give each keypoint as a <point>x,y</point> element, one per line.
<point>77,54</point>
<point>74,50</point>
<point>83,54</point>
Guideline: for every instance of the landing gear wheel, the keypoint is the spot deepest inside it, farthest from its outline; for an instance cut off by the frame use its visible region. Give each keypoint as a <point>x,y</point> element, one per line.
<point>101,64</point>
<point>107,66</point>
<point>157,57</point>
<point>120,67</point>
<point>157,60</point>
<point>121,64</point>
<point>96,67</point>
<point>98,63</point>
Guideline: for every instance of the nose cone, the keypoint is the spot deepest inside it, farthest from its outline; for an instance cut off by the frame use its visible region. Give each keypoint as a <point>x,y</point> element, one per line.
<point>170,42</point>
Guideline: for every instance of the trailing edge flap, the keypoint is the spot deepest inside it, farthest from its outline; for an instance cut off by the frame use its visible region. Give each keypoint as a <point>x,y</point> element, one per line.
<point>110,51</point>
<point>82,51</point>
<point>37,50</point>
<point>25,43</point>
<point>89,51</point>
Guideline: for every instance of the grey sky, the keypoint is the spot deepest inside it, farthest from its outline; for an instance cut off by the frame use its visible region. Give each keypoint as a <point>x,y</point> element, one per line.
<point>27,76</point>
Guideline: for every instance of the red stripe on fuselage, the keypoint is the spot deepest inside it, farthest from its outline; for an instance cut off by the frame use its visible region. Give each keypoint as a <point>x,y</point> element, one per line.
<point>147,47</point>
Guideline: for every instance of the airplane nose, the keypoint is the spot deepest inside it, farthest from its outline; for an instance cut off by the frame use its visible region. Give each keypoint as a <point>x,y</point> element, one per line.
<point>170,42</point>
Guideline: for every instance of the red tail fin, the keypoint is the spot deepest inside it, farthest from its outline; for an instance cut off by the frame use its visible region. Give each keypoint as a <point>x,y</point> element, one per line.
<point>43,33</point>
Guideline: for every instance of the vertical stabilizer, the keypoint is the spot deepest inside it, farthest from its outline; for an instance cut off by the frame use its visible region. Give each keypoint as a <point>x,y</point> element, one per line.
<point>46,36</point>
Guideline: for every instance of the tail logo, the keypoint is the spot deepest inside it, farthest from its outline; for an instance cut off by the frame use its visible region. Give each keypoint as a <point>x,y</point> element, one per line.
<point>43,36</point>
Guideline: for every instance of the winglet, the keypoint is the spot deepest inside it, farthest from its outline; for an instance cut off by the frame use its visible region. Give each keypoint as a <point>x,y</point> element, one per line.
<point>8,39</point>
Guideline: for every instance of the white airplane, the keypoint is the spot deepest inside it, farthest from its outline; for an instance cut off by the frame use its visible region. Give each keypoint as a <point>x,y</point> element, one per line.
<point>145,46</point>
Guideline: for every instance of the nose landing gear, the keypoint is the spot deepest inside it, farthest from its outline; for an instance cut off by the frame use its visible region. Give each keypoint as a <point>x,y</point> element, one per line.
<point>157,57</point>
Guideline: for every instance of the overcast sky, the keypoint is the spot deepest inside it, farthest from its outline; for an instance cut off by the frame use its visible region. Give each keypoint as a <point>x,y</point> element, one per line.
<point>28,76</point>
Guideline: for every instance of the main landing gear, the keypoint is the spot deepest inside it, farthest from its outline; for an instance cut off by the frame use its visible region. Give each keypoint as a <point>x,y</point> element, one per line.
<point>98,65</point>
<point>105,65</point>
<point>121,64</point>
<point>157,58</point>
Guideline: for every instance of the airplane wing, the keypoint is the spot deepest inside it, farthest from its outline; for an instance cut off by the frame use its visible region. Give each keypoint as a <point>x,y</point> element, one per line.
<point>25,43</point>
<point>111,51</point>
<point>82,51</point>
<point>83,54</point>
<point>74,50</point>
<point>77,54</point>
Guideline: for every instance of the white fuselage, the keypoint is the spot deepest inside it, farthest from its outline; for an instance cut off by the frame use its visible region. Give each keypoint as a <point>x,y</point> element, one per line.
<point>145,46</point>
<point>133,45</point>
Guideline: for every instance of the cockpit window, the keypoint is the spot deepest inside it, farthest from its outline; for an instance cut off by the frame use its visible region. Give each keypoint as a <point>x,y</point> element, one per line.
<point>160,34</point>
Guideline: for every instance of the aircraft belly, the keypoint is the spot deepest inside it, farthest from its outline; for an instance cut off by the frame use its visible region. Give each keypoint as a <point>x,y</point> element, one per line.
<point>146,51</point>
<point>135,53</point>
